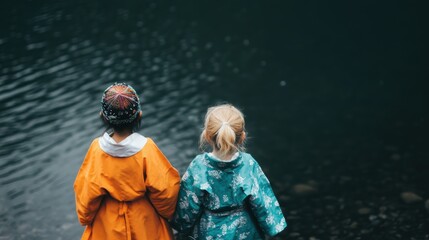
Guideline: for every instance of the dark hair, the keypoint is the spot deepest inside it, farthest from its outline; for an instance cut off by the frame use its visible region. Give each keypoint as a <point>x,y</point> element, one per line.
<point>133,126</point>
<point>120,108</point>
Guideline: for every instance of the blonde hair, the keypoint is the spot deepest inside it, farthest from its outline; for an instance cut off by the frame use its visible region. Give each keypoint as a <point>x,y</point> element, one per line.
<point>223,129</point>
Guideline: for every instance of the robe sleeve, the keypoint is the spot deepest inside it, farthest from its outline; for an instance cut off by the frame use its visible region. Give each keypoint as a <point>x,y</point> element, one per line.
<point>189,205</point>
<point>162,181</point>
<point>88,194</point>
<point>264,204</point>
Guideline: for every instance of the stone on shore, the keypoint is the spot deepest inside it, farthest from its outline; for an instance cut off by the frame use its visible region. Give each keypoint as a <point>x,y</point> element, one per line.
<point>410,197</point>
<point>364,211</point>
<point>303,189</point>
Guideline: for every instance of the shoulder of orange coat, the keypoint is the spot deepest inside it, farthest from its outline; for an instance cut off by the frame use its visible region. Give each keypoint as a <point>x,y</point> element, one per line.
<point>152,150</point>
<point>149,147</point>
<point>94,145</point>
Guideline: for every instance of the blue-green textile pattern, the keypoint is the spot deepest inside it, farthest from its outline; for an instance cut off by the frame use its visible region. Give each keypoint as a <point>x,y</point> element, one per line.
<point>213,197</point>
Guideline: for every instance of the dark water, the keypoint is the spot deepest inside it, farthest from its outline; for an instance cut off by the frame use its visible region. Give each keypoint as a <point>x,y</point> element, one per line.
<point>335,98</point>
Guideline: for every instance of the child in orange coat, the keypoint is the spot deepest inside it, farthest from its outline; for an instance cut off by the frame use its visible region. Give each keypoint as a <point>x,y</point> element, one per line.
<point>126,188</point>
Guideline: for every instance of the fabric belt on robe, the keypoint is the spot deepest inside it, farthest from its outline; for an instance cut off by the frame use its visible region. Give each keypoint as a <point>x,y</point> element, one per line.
<point>225,211</point>
<point>123,208</point>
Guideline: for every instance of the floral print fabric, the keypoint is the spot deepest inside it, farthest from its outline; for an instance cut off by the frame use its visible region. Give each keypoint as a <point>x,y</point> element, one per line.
<point>227,200</point>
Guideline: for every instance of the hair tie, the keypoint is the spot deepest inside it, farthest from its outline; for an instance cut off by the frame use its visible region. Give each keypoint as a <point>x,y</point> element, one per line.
<point>225,123</point>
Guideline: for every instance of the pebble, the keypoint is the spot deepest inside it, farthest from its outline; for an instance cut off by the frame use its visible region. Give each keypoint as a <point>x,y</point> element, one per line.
<point>427,205</point>
<point>410,197</point>
<point>364,211</point>
<point>303,189</point>
<point>294,234</point>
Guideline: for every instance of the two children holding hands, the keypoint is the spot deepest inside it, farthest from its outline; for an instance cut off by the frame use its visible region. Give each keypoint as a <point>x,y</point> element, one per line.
<point>127,189</point>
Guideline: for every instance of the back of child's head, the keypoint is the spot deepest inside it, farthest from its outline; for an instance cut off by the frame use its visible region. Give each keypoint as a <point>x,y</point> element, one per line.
<point>120,107</point>
<point>224,129</point>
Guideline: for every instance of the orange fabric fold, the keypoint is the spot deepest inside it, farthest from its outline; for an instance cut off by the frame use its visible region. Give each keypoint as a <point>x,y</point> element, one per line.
<point>126,197</point>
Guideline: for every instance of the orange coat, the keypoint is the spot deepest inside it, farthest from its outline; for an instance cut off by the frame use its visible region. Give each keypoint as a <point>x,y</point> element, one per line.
<point>126,197</point>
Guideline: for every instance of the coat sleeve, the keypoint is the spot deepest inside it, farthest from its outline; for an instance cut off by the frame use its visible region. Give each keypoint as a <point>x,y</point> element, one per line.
<point>189,205</point>
<point>162,181</point>
<point>264,204</point>
<point>88,194</point>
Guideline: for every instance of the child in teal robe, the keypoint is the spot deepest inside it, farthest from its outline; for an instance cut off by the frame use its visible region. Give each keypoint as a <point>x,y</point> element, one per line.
<point>225,194</point>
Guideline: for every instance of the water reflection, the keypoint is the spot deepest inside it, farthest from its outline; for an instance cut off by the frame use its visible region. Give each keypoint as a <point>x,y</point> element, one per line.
<point>51,84</point>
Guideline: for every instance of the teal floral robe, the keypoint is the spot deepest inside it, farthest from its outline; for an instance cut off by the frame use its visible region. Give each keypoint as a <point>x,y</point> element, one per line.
<point>227,200</point>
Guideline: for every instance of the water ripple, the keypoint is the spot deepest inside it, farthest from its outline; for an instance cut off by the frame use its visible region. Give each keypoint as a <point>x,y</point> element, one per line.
<point>50,100</point>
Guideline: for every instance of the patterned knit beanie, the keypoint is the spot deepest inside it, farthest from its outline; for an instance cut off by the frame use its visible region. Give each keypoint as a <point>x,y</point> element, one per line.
<point>120,104</point>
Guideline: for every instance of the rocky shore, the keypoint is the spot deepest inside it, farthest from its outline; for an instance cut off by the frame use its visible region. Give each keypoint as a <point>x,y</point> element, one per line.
<point>355,206</point>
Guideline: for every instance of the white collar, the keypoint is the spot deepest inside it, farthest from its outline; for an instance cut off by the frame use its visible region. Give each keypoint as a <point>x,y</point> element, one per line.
<point>233,157</point>
<point>127,147</point>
